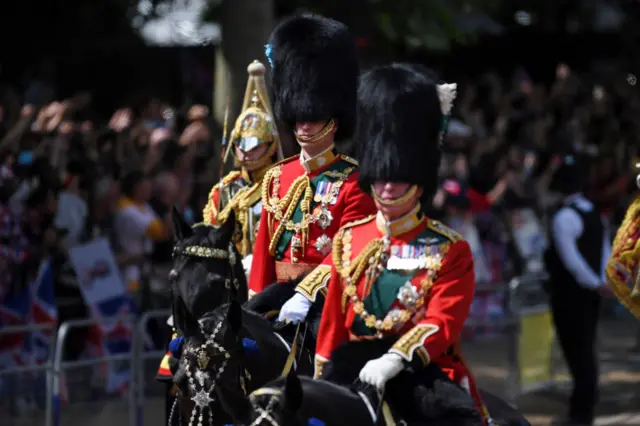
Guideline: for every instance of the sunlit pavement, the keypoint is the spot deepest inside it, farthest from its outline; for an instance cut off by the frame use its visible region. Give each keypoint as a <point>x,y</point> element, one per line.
<point>620,378</point>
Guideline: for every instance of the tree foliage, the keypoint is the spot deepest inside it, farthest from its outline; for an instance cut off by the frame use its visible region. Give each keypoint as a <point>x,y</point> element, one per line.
<point>415,24</point>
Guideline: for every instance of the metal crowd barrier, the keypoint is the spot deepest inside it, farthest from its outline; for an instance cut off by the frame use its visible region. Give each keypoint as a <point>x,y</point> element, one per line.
<point>60,365</point>
<point>526,312</point>
<point>525,301</point>
<point>140,357</point>
<point>32,373</point>
<point>50,387</point>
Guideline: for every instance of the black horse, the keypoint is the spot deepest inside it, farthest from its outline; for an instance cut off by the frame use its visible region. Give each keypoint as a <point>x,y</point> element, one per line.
<point>436,401</point>
<point>206,273</point>
<point>207,270</point>
<point>226,354</point>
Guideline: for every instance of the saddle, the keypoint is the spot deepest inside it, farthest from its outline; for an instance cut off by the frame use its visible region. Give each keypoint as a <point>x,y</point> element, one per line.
<point>623,274</point>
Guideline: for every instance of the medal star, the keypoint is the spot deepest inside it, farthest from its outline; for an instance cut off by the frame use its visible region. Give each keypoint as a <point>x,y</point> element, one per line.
<point>202,399</point>
<point>323,245</point>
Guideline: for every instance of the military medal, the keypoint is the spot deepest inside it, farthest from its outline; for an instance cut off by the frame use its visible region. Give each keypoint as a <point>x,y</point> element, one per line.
<point>409,257</point>
<point>324,190</point>
<point>325,218</point>
<point>323,245</point>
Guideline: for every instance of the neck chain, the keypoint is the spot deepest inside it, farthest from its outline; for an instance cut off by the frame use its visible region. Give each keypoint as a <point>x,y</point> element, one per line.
<point>201,396</point>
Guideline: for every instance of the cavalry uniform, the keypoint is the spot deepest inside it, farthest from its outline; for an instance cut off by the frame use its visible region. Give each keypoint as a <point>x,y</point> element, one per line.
<point>399,273</point>
<point>306,200</point>
<point>242,189</point>
<point>241,194</point>
<point>623,273</point>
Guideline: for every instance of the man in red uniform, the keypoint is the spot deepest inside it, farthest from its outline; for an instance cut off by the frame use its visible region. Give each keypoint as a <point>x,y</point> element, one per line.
<point>307,198</point>
<point>399,273</point>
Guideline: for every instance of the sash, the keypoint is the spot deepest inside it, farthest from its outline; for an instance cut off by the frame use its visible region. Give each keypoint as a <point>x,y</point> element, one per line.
<point>384,291</point>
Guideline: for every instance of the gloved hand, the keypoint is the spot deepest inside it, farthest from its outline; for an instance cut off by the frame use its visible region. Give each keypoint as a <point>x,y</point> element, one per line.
<point>295,310</point>
<point>246,264</point>
<point>379,371</point>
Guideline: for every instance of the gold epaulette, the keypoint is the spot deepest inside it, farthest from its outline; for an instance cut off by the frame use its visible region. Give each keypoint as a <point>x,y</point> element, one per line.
<point>230,177</point>
<point>210,209</point>
<point>441,229</point>
<point>358,222</point>
<point>350,160</point>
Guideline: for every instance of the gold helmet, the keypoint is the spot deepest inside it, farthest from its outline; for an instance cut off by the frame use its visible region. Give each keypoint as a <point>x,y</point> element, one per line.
<point>255,125</point>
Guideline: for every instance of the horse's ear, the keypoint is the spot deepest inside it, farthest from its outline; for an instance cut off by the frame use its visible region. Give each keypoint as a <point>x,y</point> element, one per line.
<point>234,317</point>
<point>293,392</point>
<point>226,230</point>
<point>180,228</point>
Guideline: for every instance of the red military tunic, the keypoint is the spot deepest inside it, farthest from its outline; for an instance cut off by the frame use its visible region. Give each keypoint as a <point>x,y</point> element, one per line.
<point>304,204</point>
<point>423,294</point>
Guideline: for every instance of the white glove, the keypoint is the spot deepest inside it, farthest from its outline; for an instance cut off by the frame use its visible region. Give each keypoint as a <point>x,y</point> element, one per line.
<point>295,310</point>
<point>246,264</point>
<point>379,371</point>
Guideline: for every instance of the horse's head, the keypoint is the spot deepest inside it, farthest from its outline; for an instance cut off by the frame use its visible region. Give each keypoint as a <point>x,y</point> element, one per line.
<point>207,270</point>
<point>278,404</point>
<point>210,375</point>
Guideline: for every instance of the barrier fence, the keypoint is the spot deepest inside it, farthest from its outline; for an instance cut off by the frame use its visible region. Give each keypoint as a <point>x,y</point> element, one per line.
<point>527,326</point>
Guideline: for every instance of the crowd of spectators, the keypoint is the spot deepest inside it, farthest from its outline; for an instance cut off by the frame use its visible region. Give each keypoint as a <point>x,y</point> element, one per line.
<point>67,175</point>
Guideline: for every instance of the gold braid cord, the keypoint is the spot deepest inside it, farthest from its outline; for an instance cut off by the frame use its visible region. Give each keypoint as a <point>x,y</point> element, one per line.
<point>240,204</point>
<point>623,271</point>
<point>299,193</point>
<point>210,211</point>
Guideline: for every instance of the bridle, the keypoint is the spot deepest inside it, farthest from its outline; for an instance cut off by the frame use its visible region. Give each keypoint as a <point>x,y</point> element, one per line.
<point>267,412</point>
<point>231,282</point>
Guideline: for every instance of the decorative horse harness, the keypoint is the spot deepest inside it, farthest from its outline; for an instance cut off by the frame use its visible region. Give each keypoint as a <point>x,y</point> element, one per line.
<point>202,397</point>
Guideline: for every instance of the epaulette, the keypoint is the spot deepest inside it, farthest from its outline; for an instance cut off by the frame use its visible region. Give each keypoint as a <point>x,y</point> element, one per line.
<point>358,222</point>
<point>350,160</point>
<point>445,231</point>
<point>231,176</point>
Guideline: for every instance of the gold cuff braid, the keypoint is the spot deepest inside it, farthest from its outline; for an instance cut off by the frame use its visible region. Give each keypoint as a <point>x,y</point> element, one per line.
<point>413,340</point>
<point>315,282</point>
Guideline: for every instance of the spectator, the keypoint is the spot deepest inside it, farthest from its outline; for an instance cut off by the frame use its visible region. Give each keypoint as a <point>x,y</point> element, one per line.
<point>137,227</point>
<point>72,211</point>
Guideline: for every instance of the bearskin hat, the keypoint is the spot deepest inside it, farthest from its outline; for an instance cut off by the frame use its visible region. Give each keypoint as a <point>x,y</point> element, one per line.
<point>314,72</point>
<point>399,128</point>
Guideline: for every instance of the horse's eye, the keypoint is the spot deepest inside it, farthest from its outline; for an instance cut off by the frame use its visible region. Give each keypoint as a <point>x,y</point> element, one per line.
<point>173,274</point>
